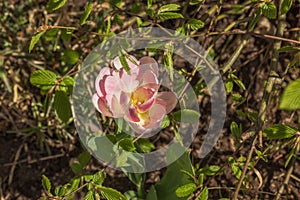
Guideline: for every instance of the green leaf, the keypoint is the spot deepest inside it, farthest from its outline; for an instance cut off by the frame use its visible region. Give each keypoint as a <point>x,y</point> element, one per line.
<point>235,130</point>
<point>124,63</point>
<point>186,116</point>
<point>229,85</point>
<point>84,158</point>
<point>186,190</point>
<point>66,34</point>
<point>121,159</point>
<point>88,177</point>
<point>111,194</point>
<point>89,195</point>
<point>291,154</point>
<point>86,13</point>
<point>99,177</point>
<point>165,122</point>
<point>43,78</point>
<point>149,3</point>
<point>127,144</point>
<point>204,194</point>
<point>62,106</point>
<point>255,19</point>
<point>169,15</point>
<point>290,99</point>
<point>237,97</point>
<point>288,49</point>
<point>210,170</point>
<point>269,10</point>
<point>51,34</point>
<point>195,2</point>
<point>76,168</point>
<point>58,191</point>
<point>168,7</point>
<point>67,85</point>
<point>172,179</point>
<point>143,145</point>
<point>74,184</point>
<point>238,82</point>
<point>285,6</point>
<point>200,179</point>
<point>195,24</point>
<point>279,131</point>
<point>34,40</point>
<point>46,183</point>
<point>150,12</point>
<point>235,168</point>
<point>70,56</point>
<point>55,4</point>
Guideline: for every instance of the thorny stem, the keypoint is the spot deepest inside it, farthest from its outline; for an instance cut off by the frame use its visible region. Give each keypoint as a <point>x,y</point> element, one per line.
<point>265,99</point>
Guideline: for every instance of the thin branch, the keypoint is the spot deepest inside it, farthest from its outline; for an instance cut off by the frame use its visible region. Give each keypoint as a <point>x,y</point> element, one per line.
<point>288,174</point>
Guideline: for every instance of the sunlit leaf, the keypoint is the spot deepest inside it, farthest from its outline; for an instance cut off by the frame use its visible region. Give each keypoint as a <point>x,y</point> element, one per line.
<point>46,183</point>
<point>279,131</point>
<point>235,130</point>
<point>195,24</point>
<point>124,63</point>
<point>51,34</point>
<point>89,195</point>
<point>169,7</point>
<point>210,170</point>
<point>86,13</point>
<point>111,194</point>
<point>285,6</point>
<point>34,40</point>
<point>99,177</point>
<point>41,78</point>
<point>55,4</point>
<point>269,10</point>
<point>186,190</point>
<point>290,99</point>
<point>169,15</point>
<point>204,194</point>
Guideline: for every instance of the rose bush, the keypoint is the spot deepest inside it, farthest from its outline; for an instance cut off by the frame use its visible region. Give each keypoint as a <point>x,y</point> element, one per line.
<point>133,94</point>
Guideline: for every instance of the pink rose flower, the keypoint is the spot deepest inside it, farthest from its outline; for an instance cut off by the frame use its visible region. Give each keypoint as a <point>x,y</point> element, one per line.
<point>133,95</point>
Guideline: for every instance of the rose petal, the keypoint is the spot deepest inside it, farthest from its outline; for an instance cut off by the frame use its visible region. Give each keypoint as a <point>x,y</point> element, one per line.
<point>148,63</point>
<point>111,85</point>
<point>144,107</point>
<point>99,82</point>
<point>116,108</point>
<point>101,106</point>
<point>132,115</point>
<point>157,112</point>
<point>124,99</point>
<point>148,77</point>
<point>169,98</point>
<point>137,128</point>
<point>128,82</point>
